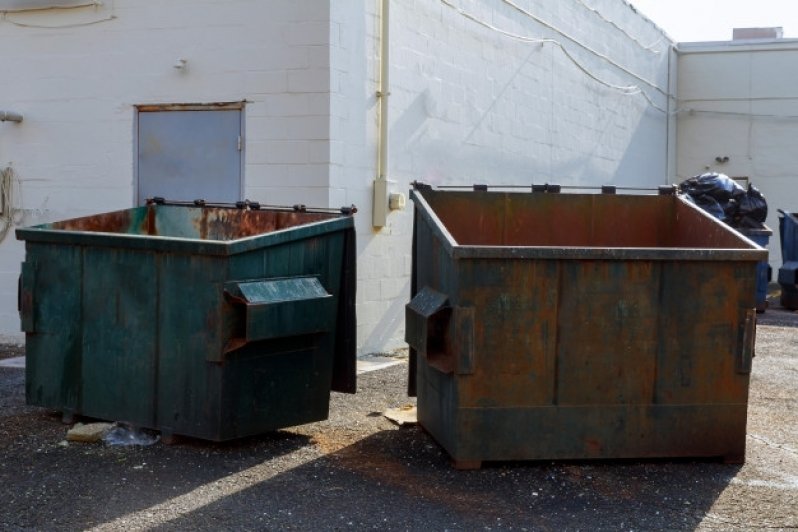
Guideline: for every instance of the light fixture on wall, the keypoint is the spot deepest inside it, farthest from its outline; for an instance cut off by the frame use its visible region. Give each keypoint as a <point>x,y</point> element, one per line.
<point>721,159</point>
<point>181,63</point>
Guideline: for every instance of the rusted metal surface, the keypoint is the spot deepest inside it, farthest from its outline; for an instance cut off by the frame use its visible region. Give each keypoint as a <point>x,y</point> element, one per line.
<point>135,221</point>
<point>208,223</point>
<point>218,106</point>
<point>232,224</point>
<point>515,223</point>
<point>126,317</point>
<point>211,230</point>
<point>635,340</point>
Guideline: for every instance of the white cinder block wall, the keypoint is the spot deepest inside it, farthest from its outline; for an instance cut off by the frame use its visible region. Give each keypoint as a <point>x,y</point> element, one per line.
<point>740,100</point>
<point>77,87</point>
<point>470,104</point>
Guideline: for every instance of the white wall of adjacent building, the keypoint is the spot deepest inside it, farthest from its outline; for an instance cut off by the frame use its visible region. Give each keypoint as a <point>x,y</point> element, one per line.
<point>739,100</point>
<point>482,91</point>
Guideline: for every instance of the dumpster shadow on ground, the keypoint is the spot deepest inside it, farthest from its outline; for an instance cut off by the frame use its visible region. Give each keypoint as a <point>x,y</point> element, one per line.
<point>71,486</point>
<point>402,479</point>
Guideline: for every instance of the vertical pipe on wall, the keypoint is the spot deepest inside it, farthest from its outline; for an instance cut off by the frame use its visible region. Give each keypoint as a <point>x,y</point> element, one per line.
<point>379,214</point>
<point>672,117</point>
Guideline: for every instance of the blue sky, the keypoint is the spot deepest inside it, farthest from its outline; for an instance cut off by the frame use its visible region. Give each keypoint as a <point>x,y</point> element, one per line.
<point>713,20</point>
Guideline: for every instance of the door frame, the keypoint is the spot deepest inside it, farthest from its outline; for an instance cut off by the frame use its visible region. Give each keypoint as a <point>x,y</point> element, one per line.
<point>159,107</point>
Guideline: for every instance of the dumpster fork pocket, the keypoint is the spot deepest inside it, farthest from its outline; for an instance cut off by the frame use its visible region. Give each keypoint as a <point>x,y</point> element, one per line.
<point>442,334</point>
<point>278,308</point>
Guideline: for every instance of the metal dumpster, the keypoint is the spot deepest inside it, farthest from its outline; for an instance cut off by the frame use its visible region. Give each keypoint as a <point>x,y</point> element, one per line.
<point>208,321</point>
<point>579,326</point>
<point>788,273</point>
<point>761,237</point>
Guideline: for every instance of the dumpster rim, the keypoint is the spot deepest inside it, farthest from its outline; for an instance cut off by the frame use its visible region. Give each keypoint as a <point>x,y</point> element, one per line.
<point>755,252</point>
<point>181,244</point>
<point>607,253</point>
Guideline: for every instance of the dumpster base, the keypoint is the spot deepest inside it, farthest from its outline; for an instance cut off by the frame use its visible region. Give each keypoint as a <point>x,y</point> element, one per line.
<point>592,432</point>
<point>257,390</point>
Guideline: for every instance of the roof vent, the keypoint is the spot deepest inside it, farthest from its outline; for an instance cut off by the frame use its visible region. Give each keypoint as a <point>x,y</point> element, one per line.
<point>745,34</point>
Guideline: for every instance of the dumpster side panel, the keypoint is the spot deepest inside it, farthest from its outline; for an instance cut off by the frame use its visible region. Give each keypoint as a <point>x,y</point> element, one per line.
<point>273,384</point>
<point>596,359</point>
<point>345,360</point>
<point>189,340</point>
<point>703,310</point>
<point>607,332</point>
<point>285,381</point>
<point>515,331</point>
<point>436,390</point>
<point>119,365</point>
<point>53,343</point>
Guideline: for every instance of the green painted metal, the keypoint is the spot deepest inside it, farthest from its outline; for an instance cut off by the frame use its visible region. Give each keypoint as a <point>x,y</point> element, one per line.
<point>206,322</point>
<point>574,326</point>
<point>283,307</point>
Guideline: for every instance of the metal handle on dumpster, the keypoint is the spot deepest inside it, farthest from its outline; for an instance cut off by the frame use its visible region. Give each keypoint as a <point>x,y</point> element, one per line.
<point>442,334</point>
<point>746,350</point>
<point>25,297</point>
<point>279,308</point>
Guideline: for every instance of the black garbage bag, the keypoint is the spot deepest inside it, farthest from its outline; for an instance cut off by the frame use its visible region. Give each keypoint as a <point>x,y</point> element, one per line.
<point>709,204</point>
<point>724,198</point>
<point>752,209</point>
<point>718,194</point>
<point>720,187</point>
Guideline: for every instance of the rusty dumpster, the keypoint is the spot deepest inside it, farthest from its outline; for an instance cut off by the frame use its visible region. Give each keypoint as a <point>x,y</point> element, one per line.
<point>209,321</point>
<point>579,326</point>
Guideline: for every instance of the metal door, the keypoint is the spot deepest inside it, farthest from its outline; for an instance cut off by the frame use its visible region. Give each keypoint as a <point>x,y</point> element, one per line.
<point>189,152</point>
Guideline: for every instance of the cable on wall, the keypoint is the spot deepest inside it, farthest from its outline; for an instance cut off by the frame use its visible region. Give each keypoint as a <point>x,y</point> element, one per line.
<point>690,111</point>
<point>97,4</point>
<point>583,45</point>
<point>626,89</point>
<point>650,48</point>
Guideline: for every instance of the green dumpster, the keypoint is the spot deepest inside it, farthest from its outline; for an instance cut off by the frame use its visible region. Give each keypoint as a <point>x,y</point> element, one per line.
<point>209,321</point>
<point>579,326</point>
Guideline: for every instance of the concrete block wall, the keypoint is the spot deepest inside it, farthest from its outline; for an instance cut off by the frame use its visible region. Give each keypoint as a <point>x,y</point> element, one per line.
<point>469,104</point>
<point>76,76</point>
<point>740,100</point>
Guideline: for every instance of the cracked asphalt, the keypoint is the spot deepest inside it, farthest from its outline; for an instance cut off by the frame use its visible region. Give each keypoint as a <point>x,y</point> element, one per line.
<point>358,470</point>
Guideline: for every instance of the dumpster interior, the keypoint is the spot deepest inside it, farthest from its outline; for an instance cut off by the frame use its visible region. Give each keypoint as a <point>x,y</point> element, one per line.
<point>578,220</point>
<point>203,223</point>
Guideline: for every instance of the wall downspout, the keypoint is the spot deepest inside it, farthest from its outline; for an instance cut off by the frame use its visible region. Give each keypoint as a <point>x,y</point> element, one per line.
<point>672,116</point>
<point>379,216</point>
